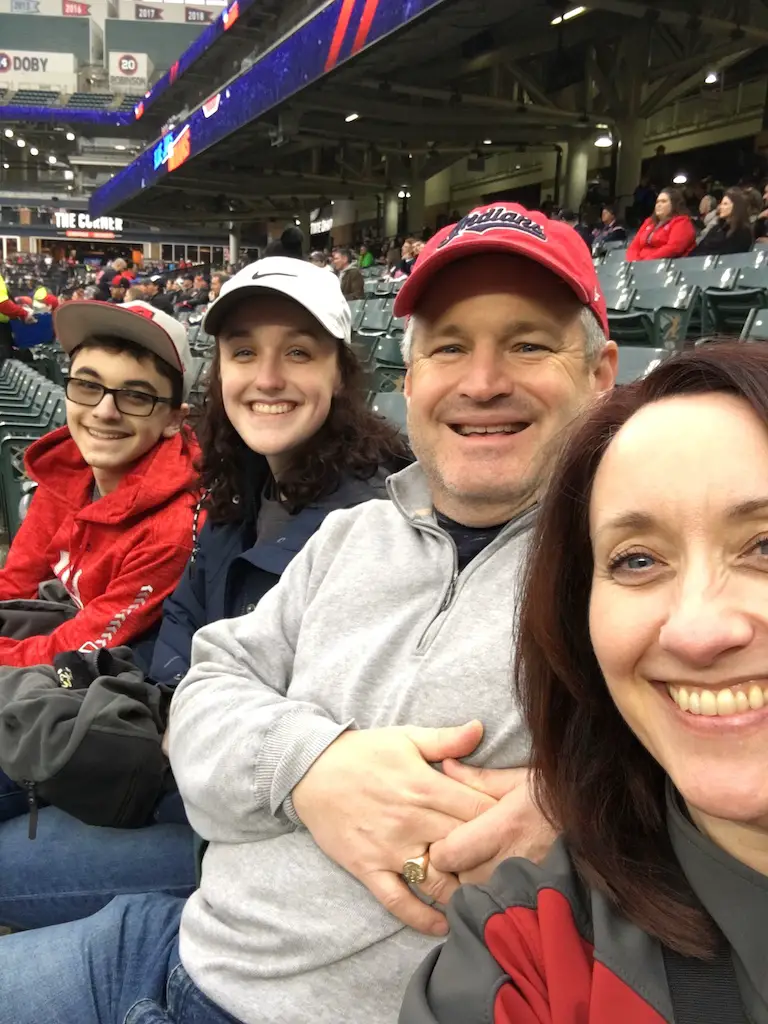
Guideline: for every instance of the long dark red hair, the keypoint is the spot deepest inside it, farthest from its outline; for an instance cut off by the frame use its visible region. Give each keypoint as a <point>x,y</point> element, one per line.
<point>593,777</point>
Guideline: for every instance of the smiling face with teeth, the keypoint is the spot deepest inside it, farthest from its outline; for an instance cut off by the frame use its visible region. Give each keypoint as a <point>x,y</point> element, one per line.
<point>279,372</point>
<point>679,604</point>
<point>497,373</point>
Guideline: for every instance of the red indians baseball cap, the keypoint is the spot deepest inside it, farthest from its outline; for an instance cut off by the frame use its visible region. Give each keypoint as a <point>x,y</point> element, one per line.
<point>508,228</point>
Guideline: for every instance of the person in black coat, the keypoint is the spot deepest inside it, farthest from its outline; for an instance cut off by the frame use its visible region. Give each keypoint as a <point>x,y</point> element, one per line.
<point>732,232</point>
<point>271,478</point>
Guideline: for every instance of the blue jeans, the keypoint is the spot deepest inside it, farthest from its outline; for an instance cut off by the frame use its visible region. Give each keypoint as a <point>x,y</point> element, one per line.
<point>120,966</point>
<point>13,799</point>
<point>72,870</point>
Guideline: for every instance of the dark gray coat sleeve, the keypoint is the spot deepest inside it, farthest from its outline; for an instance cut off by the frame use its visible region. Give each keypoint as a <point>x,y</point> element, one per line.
<point>459,981</point>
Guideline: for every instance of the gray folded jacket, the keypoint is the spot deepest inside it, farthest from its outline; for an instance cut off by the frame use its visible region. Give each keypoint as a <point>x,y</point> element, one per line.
<point>85,735</point>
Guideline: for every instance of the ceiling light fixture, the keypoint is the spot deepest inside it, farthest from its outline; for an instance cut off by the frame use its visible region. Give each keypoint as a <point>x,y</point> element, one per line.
<point>351,117</point>
<point>573,13</point>
<point>6,166</point>
<point>34,151</point>
<point>70,136</point>
<point>20,143</point>
<point>711,78</point>
<point>9,133</point>
<point>119,147</point>
<point>680,179</point>
<point>51,160</point>
<point>487,142</point>
<point>604,141</point>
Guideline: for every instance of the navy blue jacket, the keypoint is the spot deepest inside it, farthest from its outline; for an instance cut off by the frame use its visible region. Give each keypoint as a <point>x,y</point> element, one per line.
<point>230,574</point>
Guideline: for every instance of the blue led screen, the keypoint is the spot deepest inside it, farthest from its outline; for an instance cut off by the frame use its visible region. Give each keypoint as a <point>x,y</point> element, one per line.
<point>334,34</point>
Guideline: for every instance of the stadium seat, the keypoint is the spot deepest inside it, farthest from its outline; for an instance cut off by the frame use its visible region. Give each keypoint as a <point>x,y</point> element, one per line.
<point>356,309</point>
<point>728,311</point>
<point>370,288</point>
<point>756,258</point>
<point>637,361</point>
<point>128,103</point>
<point>619,296</point>
<point>756,327</point>
<point>388,365</point>
<point>652,273</point>
<point>659,317</point>
<point>377,316</point>
<point>694,263</point>
<point>391,405</point>
<point>384,287</point>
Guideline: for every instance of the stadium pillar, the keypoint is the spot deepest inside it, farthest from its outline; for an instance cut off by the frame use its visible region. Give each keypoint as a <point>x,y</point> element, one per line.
<point>577,172</point>
<point>391,213</point>
<point>416,207</point>
<point>234,243</point>
<point>630,161</point>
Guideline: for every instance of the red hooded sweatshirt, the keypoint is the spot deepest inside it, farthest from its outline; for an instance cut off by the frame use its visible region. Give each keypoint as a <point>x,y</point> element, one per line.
<point>119,557</point>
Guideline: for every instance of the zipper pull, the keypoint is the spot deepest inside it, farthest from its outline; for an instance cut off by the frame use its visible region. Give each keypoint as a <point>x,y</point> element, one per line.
<point>451,590</point>
<point>32,807</point>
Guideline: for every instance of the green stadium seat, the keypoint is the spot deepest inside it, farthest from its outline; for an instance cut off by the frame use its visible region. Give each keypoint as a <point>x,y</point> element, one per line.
<point>756,327</point>
<point>652,273</point>
<point>391,405</point>
<point>756,258</point>
<point>388,365</point>
<point>694,263</point>
<point>385,287</point>
<point>370,288</point>
<point>659,317</point>
<point>377,316</point>
<point>619,297</point>
<point>637,361</point>
<point>728,311</point>
<point>356,310</point>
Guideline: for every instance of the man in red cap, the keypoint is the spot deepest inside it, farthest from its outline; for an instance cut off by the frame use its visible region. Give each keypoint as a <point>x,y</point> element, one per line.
<point>383,652</point>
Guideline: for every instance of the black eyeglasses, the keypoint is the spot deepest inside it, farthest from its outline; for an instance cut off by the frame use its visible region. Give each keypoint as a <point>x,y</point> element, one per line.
<point>130,403</point>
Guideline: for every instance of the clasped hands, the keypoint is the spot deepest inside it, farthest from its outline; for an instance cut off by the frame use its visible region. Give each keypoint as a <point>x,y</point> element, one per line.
<point>372,800</point>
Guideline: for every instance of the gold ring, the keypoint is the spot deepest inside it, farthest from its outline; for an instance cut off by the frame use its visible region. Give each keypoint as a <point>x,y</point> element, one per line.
<point>415,869</point>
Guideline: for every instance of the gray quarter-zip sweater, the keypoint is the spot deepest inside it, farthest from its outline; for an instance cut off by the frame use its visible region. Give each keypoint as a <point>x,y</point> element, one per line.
<point>370,626</point>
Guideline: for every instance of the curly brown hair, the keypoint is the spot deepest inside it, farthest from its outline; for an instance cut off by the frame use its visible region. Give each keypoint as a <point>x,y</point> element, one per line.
<point>353,441</point>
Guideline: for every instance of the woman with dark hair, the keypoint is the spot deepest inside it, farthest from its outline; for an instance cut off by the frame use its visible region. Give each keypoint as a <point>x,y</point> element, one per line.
<point>290,243</point>
<point>667,233</point>
<point>642,668</point>
<point>287,437</point>
<point>732,231</point>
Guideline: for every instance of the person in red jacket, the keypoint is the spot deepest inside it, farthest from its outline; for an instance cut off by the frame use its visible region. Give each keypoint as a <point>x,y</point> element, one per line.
<point>668,233</point>
<point>112,514</point>
<point>10,310</point>
<point>641,666</point>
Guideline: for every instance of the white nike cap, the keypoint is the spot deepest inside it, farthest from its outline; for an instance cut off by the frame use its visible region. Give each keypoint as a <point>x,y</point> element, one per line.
<point>311,287</point>
<point>137,321</point>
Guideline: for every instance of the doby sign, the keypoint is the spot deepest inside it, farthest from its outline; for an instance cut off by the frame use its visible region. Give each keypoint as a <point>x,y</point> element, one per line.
<point>34,67</point>
<point>129,71</point>
<point>66,221</point>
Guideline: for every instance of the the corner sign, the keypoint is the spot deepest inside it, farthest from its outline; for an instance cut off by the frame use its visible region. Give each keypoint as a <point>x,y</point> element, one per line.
<point>81,221</point>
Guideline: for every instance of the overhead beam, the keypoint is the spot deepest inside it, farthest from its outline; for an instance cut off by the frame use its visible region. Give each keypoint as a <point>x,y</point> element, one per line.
<point>534,89</point>
<point>668,14</point>
<point>677,86</point>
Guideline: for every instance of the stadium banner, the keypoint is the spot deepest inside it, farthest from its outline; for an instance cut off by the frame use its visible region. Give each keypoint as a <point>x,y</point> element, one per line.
<point>75,9</point>
<point>197,16</point>
<point>129,72</point>
<point>36,67</point>
<point>143,12</point>
<point>25,6</point>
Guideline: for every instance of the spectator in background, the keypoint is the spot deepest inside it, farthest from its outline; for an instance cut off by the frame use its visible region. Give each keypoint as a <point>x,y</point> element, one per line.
<point>408,258</point>
<point>732,232</point>
<point>754,202</point>
<point>572,220</point>
<point>134,293</point>
<point>290,243</point>
<point>658,168</point>
<point>199,296</point>
<point>351,280</point>
<point>643,201</point>
<point>118,288</point>
<point>707,215</point>
<point>610,231</point>
<point>760,226</point>
<point>217,283</point>
<point>366,257</point>
<point>156,294</point>
<point>392,257</point>
<point>320,260</point>
<point>667,233</point>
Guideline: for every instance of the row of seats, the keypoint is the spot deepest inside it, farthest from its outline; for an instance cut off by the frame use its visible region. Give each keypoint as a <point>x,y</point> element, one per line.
<point>90,100</point>
<point>382,286</point>
<point>35,98</point>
